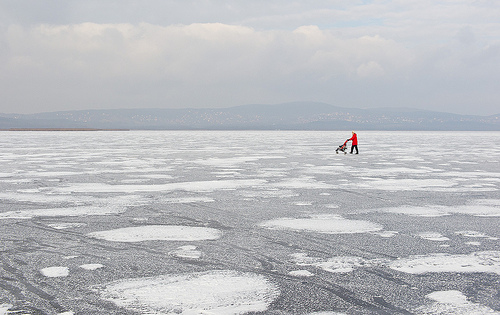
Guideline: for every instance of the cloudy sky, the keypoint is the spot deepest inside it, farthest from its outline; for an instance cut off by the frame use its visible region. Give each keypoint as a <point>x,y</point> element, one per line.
<point>73,54</point>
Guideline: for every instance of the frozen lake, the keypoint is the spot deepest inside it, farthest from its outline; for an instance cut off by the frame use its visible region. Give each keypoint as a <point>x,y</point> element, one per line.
<point>261,222</point>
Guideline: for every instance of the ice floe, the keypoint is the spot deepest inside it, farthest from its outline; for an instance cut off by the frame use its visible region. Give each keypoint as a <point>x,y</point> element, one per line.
<point>487,261</point>
<point>214,292</point>
<point>452,302</point>
<point>53,272</point>
<point>325,223</point>
<point>158,232</point>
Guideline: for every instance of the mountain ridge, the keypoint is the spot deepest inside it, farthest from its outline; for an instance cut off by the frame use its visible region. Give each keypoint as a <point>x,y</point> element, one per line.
<point>287,116</point>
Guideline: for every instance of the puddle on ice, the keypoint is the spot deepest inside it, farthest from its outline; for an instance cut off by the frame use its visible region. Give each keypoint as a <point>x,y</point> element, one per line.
<point>452,302</point>
<point>488,261</point>
<point>213,292</point>
<point>158,232</point>
<point>326,223</point>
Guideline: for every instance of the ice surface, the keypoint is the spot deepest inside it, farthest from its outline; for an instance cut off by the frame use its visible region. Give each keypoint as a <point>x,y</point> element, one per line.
<point>158,232</point>
<point>212,292</point>
<point>329,224</point>
<point>374,233</point>
<point>53,272</point>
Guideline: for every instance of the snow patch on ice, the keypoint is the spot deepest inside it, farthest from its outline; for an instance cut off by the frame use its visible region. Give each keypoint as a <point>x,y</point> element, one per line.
<point>212,292</point>
<point>475,234</point>
<point>301,273</point>
<point>433,236</point>
<point>453,302</point>
<point>488,261</point>
<point>4,308</point>
<point>338,264</point>
<point>386,233</point>
<point>302,183</point>
<point>91,266</point>
<point>196,186</point>
<point>188,200</point>
<point>68,225</point>
<point>404,184</point>
<point>437,211</point>
<point>188,252</point>
<point>325,223</point>
<point>158,232</point>
<point>53,272</point>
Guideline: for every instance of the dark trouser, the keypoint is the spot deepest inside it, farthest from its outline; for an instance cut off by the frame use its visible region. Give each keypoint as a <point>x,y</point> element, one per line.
<point>354,146</point>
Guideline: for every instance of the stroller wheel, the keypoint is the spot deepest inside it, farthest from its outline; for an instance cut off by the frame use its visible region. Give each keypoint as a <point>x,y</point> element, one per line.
<point>345,152</point>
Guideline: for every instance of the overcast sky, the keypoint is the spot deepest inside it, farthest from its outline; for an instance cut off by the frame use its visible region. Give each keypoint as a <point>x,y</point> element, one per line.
<point>103,54</point>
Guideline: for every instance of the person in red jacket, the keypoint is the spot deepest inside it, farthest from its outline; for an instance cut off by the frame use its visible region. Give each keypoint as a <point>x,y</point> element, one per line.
<point>354,140</point>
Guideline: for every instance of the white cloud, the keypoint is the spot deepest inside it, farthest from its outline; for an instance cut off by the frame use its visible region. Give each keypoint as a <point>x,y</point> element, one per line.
<point>410,53</point>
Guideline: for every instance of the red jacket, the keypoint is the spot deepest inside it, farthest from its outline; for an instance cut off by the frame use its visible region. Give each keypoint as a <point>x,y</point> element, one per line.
<point>354,139</point>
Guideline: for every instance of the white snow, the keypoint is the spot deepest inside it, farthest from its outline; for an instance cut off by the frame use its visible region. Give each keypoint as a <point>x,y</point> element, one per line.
<point>53,272</point>
<point>326,223</point>
<point>158,232</point>
<point>487,261</point>
<point>4,308</point>
<point>91,266</point>
<point>66,225</point>
<point>188,252</point>
<point>109,206</point>
<point>338,264</point>
<point>436,211</point>
<point>301,273</point>
<point>452,302</point>
<point>433,236</point>
<point>475,234</point>
<point>393,184</point>
<point>195,186</point>
<point>213,292</point>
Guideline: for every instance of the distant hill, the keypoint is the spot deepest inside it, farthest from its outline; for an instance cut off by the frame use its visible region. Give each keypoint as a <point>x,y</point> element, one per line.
<point>287,116</point>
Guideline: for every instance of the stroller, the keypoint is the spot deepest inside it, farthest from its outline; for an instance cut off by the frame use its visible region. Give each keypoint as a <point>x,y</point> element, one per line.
<point>342,148</point>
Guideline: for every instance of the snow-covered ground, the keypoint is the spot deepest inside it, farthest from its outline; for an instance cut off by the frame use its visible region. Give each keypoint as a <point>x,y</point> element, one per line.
<point>230,222</point>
